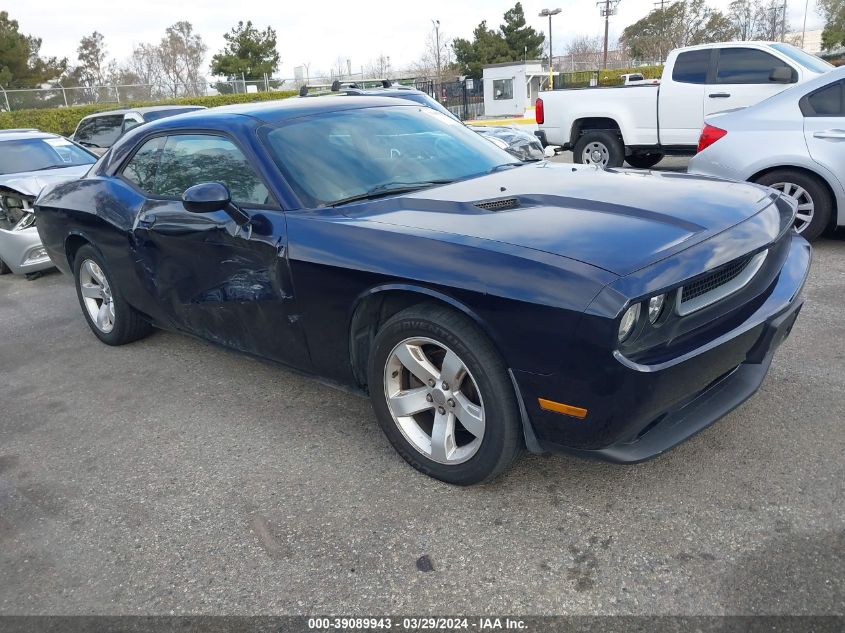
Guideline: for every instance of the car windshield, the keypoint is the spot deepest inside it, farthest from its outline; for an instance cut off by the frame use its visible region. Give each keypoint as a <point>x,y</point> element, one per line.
<point>805,59</point>
<point>42,153</point>
<point>337,156</point>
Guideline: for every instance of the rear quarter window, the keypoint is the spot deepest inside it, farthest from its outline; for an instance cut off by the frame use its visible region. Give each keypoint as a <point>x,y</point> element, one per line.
<point>691,67</point>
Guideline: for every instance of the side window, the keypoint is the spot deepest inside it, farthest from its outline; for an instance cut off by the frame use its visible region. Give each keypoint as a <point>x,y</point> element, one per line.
<point>141,168</point>
<point>100,131</point>
<point>691,67</point>
<point>747,66</point>
<point>825,101</point>
<point>189,159</point>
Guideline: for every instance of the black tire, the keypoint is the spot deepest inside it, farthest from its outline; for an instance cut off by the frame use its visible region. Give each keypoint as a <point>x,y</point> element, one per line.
<point>645,160</point>
<point>608,139</point>
<point>816,190</point>
<point>501,441</point>
<point>4,270</point>
<point>129,325</point>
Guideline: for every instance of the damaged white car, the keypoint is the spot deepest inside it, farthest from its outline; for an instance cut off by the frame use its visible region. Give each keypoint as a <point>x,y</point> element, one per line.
<point>30,160</point>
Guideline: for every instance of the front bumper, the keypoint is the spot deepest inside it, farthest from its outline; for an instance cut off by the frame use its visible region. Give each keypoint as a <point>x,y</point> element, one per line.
<point>644,410</point>
<point>23,252</point>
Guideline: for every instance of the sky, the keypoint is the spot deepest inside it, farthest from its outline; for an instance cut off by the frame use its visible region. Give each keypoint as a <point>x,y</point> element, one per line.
<point>320,32</point>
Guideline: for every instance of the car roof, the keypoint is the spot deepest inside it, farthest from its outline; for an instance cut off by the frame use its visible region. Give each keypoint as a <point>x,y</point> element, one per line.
<point>276,111</point>
<point>144,110</point>
<point>25,134</point>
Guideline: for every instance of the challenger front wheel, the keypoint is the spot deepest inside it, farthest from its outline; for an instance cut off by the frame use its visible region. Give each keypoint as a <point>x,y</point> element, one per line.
<point>443,396</point>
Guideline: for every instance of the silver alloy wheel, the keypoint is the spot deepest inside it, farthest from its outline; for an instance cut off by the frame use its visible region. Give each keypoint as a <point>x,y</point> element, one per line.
<point>596,153</point>
<point>806,206</point>
<point>434,400</point>
<point>96,295</point>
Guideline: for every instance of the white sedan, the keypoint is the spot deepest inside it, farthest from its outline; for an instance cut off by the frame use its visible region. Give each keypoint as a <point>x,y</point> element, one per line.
<point>793,142</point>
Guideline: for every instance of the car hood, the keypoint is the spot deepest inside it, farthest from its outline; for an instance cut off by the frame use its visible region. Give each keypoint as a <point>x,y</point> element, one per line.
<point>618,220</point>
<point>30,183</point>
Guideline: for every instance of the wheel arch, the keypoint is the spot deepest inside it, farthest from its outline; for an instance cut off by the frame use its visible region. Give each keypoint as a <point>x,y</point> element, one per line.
<point>579,126</point>
<point>835,195</point>
<point>73,242</point>
<point>376,305</point>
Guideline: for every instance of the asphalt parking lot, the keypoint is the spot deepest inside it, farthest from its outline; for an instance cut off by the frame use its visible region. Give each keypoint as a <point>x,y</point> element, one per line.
<point>172,476</point>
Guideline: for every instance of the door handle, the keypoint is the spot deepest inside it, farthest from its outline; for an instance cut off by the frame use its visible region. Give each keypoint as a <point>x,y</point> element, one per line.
<point>719,95</point>
<point>147,221</point>
<point>840,134</point>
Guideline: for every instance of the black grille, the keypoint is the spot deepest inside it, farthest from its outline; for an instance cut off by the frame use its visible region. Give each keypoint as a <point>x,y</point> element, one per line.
<point>712,280</point>
<point>502,204</point>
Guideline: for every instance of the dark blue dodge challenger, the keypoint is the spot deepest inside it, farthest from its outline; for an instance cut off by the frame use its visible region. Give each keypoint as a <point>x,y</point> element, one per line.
<point>484,305</point>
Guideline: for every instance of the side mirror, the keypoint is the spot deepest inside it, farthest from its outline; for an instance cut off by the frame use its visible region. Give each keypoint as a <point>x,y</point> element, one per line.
<point>782,75</point>
<point>208,197</point>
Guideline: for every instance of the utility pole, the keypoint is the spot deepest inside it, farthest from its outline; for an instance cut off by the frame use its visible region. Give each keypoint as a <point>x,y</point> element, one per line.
<point>783,23</point>
<point>607,8</point>
<point>662,26</point>
<point>550,13</point>
<point>804,29</point>
<point>436,24</point>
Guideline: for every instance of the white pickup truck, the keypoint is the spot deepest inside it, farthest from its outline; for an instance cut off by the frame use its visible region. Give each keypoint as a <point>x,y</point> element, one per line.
<point>642,123</point>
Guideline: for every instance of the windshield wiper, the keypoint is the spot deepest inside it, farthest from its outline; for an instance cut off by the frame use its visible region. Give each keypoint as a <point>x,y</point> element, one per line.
<point>388,189</point>
<point>493,170</point>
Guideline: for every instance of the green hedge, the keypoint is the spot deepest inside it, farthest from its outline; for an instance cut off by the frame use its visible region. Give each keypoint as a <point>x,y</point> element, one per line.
<point>64,120</point>
<point>614,77</point>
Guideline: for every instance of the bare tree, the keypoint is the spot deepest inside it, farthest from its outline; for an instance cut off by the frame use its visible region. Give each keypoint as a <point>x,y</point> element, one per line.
<point>426,65</point>
<point>181,54</point>
<point>584,52</point>
<point>379,68</point>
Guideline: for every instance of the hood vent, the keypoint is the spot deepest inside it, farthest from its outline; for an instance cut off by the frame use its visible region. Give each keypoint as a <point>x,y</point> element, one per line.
<point>500,204</point>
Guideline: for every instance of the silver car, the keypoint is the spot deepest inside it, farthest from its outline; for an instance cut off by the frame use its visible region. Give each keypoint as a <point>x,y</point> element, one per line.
<point>30,160</point>
<point>793,142</point>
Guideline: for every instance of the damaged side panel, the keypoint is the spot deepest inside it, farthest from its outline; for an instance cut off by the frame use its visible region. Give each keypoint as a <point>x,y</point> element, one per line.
<point>220,281</point>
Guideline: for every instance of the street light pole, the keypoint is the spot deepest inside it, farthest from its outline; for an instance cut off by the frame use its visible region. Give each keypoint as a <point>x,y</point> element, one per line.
<point>550,13</point>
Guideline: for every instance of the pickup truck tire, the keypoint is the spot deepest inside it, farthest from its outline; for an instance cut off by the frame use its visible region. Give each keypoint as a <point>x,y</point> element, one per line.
<point>599,147</point>
<point>644,160</point>
<point>815,203</point>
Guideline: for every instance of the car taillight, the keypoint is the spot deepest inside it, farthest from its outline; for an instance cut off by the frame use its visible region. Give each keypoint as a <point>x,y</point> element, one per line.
<point>709,135</point>
<point>539,115</point>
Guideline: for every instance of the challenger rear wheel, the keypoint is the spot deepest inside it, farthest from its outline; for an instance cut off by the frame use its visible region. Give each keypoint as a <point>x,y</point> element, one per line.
<point>443,397</point>
<point>110,317</point>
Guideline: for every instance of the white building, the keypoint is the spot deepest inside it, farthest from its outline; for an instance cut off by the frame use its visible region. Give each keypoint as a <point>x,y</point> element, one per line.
<point>512,87</point>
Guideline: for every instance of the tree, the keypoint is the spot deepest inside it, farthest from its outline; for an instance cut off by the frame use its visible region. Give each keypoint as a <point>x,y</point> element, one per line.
<point>379,68</point>
<point>21,66</point>
<point>684,23</point>
<point>426,65</point>
<point>249,53</point>
<point>585,52</point>
<point>522,41</point>
<point>487,47</point>
<point>91,54</point>
<point>833,12</point>
<point>747,17</point>
<point>180,55</point>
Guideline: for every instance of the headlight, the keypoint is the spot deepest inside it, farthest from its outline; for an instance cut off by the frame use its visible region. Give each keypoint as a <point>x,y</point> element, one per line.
<point>629,320</point>
<point>655,307</point>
